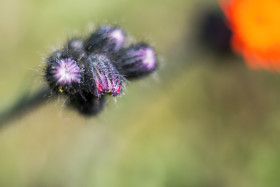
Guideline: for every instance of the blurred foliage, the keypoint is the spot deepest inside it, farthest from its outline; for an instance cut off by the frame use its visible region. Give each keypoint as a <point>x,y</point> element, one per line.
<point>207,121</point>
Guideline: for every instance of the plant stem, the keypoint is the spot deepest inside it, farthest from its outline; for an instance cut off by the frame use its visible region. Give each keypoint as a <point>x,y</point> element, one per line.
<point>23,105</point>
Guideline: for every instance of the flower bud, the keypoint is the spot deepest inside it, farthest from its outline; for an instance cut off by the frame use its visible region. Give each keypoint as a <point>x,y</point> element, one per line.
<point>74,48</point>
<point>101,76</point>
<point>137,60</point>
<point>63,74</point>
<point>106,39</point>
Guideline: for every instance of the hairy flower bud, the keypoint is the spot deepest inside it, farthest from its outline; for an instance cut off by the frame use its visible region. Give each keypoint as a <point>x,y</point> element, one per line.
<point>101,76</point>
<point>137,60</point>
<point>74,48</point>
<point>86,72</point>
<point>106,39</point>
<point>63,74</point>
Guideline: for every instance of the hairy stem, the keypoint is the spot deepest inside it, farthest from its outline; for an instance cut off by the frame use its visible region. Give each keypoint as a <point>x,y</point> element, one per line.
<point>24,105</point>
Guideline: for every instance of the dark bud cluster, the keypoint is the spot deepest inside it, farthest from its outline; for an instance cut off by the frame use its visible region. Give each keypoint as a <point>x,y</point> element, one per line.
<point>88,70</point>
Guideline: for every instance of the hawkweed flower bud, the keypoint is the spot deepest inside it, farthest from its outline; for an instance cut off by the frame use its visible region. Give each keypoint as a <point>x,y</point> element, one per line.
<point>55,55</point>
<point>63,74</point>
<point>101,76</point>
<point>74,48</point>
<point>86,72</point>
<point>88,105</point>
<point>106,39</point>
<point>137,60</point>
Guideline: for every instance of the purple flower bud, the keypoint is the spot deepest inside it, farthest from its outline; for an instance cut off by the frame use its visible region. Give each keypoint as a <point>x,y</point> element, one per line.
<point>66,72</point>
<point>74,49</point>
<point>137,60</point>
<point>63,74</point>
<point>55,55</point>
<point>87,71</point>
<point>106,39</point>
<point>101,77</point>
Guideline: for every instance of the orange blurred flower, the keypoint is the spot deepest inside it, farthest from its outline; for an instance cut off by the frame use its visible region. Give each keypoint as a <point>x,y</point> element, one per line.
<point>256,31</point>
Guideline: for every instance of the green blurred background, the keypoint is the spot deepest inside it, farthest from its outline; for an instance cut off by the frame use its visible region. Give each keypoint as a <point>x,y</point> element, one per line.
<point>201,121</point>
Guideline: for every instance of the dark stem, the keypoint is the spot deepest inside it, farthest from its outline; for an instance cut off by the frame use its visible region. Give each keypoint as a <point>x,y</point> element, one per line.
<point>24,104</point>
